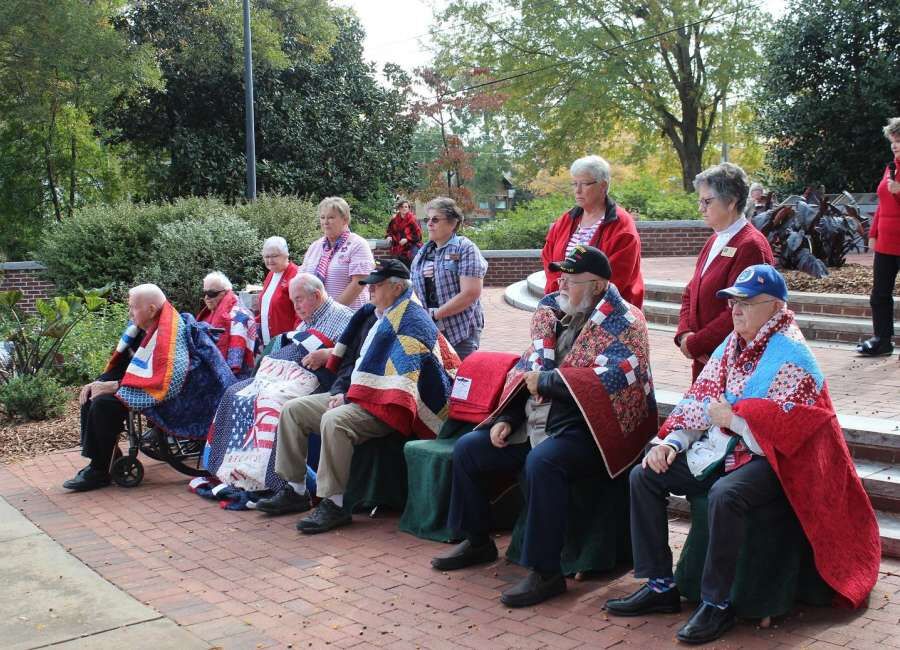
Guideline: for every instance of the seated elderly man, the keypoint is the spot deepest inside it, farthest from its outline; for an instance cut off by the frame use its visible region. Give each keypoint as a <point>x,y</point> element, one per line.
<point>756,425</point>
<point>165,366</point>
<point>588,410</point>
<point>242,438</point>
<point>394,373</point>
<point>222,310</point>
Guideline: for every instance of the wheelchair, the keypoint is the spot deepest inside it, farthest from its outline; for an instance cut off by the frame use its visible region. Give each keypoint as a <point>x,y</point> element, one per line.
<point>181,454</point>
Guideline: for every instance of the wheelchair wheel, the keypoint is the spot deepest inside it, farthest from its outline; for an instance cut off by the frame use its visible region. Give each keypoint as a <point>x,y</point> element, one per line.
<point>127,472</point>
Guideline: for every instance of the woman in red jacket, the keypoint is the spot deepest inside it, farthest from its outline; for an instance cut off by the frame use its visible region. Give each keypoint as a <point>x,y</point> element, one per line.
<point>884,239</point>
<point>705,320</point>
<point>276,311</point>
<point>597,221</point>
<point>404,233</point>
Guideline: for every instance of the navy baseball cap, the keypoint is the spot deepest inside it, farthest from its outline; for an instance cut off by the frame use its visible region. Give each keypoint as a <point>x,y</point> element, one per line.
<point>754,280</point>
<point>385,269</point>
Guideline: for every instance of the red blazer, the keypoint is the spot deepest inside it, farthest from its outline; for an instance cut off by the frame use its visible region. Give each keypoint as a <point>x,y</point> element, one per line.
<point>282,317</point>
<point>617,236</point>
<point>702,313</point>
<point>886,223</point>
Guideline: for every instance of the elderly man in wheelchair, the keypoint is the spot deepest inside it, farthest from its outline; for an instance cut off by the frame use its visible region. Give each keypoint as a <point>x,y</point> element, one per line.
<point>167,368</point>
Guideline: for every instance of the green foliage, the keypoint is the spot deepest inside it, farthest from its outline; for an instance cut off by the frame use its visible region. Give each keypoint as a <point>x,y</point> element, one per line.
<point>86,350</point>
<point>647,198</point>
<point>828,87</point>
<point>294,219</point>
<point>32,397</point>
<point>36,340</point>
<point>185,251</point>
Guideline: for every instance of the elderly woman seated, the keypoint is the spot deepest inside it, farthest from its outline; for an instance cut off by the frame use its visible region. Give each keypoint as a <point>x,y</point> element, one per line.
<point>241,443</point>
<point>223,311</point>
<point>276,315</point>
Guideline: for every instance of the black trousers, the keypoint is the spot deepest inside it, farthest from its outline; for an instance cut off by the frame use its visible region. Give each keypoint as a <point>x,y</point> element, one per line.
<point>549,469</point>
<point>102,420</point>
<point>884,276</point>
<point>731,496</point>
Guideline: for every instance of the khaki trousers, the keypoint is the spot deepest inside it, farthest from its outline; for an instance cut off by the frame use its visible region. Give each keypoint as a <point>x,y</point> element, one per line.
<point>341,428</point>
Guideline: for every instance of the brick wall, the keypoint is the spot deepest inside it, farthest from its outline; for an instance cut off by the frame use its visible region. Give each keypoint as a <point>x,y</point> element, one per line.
<point>26,277</point>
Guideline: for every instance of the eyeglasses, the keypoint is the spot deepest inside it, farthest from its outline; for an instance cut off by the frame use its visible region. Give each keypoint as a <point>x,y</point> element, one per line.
<point>212,293</point>
<point>273,257</point>
<point>564,280</point>
<point>743,304</point>
<point>435,219</point>
<point>580,184</point>
<point>704,203</point>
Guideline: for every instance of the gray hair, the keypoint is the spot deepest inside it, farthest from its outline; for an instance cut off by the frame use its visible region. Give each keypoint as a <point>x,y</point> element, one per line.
<point>756,186</point>
<point>727,181</point>
<point>307,283</point>
<point>149,292</point>
<point>336,204</point>
<point>218,278</point>
<point>595,166</point>
<point>892,128</point>
<point>447,208</point>
<point>278,243</point>
<point>406,282</point>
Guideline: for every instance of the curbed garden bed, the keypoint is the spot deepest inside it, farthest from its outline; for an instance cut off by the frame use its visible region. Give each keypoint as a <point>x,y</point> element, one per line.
<point>22,440</point>
<point>855,279</point>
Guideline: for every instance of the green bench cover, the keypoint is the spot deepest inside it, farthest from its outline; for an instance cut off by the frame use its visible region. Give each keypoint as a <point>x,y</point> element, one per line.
<point>377,475</point>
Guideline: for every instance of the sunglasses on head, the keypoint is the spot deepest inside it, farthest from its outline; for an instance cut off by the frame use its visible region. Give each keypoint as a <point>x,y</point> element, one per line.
<point>212,293</point>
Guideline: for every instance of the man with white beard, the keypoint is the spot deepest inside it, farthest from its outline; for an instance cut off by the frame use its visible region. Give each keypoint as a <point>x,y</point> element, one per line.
<point>578,404</point>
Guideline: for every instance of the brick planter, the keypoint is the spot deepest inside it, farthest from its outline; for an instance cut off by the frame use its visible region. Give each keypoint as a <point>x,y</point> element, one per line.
<point>27,277</point>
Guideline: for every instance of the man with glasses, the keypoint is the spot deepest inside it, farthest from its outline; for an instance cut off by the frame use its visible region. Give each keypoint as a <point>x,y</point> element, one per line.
<point>578,404</point>
<point>756,425</point>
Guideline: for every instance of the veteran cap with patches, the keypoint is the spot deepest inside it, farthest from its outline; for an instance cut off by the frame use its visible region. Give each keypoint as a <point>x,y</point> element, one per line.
<point>584,259</point>
<point>385,269</point>
<point>755,280</point>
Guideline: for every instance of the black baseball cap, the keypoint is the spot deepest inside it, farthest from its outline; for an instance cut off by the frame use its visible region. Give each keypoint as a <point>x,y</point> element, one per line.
<point>584,259</point>
<point>385,269</point>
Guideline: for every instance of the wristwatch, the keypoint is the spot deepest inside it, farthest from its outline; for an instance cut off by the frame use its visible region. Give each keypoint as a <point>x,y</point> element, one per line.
<point>432,311</point>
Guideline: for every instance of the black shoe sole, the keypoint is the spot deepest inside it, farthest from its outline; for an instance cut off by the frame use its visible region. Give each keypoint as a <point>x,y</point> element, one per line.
<point>885,353</point>
<point>657,609</point>
<point>86,488</point>
<point>285,511</point>
<point>309,530</point>
<point>708,638</point>
<point>530,600</point>
<point>455,564</point>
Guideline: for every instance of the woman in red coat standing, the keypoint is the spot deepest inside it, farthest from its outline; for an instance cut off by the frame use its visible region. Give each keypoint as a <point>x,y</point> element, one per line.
<point>705,320</point>
<point>404,233</point>
<point>597,221</point>
<point>884,239</point>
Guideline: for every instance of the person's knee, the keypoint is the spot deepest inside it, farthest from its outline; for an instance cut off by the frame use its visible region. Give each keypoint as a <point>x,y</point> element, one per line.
<point>640,478</point>
<point>542,462</point>
<point>465,450</point>
<point>723,494</point>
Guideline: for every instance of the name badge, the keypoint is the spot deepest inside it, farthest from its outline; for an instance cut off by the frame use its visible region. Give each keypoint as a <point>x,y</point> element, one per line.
<point>729,251</point>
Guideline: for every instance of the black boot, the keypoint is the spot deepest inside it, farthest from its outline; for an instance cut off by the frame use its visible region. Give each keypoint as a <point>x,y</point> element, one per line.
<point>646,601</point>
<point>465,554</point>
<point>706,624</point>
<point>283,502</point>
<point>533,589</point>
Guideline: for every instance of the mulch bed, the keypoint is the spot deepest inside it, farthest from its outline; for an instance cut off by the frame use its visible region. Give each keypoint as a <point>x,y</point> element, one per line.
<point>850,278</point>
<point>21,440</point>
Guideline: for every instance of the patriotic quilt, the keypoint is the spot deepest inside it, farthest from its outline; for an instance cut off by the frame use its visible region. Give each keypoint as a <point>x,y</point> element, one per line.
<point>607,372</point>
<point>407,372</point>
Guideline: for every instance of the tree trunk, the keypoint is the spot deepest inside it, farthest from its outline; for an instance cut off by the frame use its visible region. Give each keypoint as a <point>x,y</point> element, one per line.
<point>73,175</point>
<point>48,159</point>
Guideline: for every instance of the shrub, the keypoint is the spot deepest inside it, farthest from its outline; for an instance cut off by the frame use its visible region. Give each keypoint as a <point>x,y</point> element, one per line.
<point>33,397</point>
<point>90,343</point>
<point>184,252</point>
<point>294,219</point>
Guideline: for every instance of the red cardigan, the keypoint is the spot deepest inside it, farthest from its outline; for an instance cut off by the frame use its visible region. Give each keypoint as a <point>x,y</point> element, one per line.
<point>702,313</point>
<point>407,228</point>
<point>282,317</point>
<point>617,236</point>
<point>886,223</point>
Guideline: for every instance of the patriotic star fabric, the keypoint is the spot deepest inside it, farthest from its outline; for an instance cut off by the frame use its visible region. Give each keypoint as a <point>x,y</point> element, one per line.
<point>607,372</point>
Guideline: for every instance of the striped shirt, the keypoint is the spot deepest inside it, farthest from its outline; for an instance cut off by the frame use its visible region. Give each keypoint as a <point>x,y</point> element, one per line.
<point>353,258</point>
<point>583,235</point>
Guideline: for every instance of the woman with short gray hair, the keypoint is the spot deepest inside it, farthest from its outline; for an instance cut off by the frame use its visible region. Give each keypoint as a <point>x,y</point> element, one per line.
<point>596,221</point>
<point>884,239</point>
<point>735,244</point>
<point>276,313</point>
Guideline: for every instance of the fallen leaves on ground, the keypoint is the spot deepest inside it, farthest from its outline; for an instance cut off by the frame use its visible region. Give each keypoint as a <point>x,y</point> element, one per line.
<point>850,278</point>
<point>21,440</point>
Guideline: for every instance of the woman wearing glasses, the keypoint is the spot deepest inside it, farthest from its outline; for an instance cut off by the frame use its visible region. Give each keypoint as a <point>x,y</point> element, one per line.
<point>447,276</point>
<point>735,244</point>
<point>596,221</point>
<point>276,313</point>
<point>224,311</point>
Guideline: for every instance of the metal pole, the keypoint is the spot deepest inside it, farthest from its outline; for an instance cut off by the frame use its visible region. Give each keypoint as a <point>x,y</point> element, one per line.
<point>248,105</point>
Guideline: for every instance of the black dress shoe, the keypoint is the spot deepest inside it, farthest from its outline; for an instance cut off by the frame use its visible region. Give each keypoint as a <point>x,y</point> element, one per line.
<point>87,479</point>
<point>327,516</point>
<point>284,502</point>
<point>646,601</point>
<point>875,347</point>
<point>464,554</point>
<point>533,589</point>
<point>706,624</point>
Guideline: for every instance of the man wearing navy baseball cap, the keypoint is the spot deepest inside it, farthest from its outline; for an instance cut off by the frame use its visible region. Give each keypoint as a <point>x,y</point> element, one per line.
<point>761,396</point>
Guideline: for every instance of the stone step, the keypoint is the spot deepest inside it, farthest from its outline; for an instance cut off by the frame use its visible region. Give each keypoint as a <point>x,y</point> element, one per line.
<point>888,524</point>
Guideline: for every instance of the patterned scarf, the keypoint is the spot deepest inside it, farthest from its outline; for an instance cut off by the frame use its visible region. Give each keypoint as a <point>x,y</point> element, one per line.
<point>328,251</point>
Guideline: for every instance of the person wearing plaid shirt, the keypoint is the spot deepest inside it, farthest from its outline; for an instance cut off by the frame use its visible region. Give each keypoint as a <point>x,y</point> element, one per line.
<point>447,274</point>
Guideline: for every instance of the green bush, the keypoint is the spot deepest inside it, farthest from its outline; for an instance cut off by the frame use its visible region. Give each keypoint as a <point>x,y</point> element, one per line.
<point>88,346</point>
<point>184,252</point>
<point>647,198</point>
<point>524,227</point>
<point>294,219</point>
<point>32,397</point>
